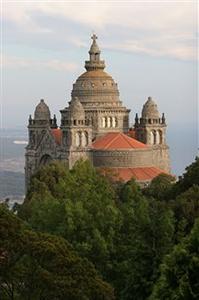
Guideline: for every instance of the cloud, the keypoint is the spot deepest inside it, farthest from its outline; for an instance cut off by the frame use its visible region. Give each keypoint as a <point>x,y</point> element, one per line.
<point>53,64</point>
<point>156,28</point>
<point>163,49</point>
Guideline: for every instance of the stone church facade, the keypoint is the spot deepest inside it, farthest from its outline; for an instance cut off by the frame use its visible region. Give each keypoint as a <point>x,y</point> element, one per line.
<point>95,126</point>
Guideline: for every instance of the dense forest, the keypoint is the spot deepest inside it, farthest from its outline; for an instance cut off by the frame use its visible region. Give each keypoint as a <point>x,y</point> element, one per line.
<point>81,236</point>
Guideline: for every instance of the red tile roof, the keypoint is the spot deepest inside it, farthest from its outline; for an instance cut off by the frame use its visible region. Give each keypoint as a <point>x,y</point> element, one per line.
<point>117,140</point>
<point>57,134</point>
<point>125,174</point>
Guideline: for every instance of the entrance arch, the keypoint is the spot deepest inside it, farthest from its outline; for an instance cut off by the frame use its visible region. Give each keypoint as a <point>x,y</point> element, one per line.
<point>45,159</point>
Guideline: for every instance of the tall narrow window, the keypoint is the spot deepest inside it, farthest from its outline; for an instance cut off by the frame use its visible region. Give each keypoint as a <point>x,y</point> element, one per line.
<point>78,139</point>
<point>103,122</point>
<point>153,137</point>
<point>113,122</point>
<point>109,122</point>
<point>160,137</point>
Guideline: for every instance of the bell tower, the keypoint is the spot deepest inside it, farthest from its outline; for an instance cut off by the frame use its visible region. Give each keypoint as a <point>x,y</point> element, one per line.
<point>40,123</point>
<point>77,132</point>
<point>150,129</point>
<point>37,128</point>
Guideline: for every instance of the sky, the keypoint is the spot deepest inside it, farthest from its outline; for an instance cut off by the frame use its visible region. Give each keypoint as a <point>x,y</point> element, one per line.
<point>150,49</point>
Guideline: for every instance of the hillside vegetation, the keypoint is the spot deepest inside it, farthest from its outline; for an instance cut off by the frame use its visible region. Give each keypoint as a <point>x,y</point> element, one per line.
<point>81,232</point>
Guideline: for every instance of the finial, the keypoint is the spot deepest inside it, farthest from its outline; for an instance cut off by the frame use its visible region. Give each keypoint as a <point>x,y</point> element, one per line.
<point>136,118</point>
<point>30,120</point>
<point>94,63</point>
<point>163,118</point>
<point>94,37</point>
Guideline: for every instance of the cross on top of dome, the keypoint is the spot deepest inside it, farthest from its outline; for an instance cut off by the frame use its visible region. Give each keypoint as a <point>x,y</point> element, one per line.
<point>94,50</point>
<point>94,37</point>
<point>94,63</point>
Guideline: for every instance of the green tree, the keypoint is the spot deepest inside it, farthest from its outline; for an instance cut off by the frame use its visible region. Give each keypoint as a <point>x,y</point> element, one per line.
<point>188,179</point>
<point>80,207</point>
<point>36,266</point>
<point>160,187</point>
<point>180,271</point>
<point>186,209</point>
<point>145,237</point>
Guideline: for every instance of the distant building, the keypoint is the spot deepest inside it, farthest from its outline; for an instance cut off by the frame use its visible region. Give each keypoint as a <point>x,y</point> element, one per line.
<point>95,126</point>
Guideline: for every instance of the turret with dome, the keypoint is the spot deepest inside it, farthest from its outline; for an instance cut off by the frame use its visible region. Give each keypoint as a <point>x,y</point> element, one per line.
<point>42,111</point>
<point>95,126</point>
<point>150,128</point>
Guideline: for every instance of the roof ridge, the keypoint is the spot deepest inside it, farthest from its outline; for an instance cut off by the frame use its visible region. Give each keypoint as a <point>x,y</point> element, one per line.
<point>127,139</point>
<point>112,140</point>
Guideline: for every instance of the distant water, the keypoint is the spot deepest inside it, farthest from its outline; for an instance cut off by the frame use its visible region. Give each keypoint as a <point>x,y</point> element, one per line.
<point>12,164</point>
<point>12,153</point>
<point>183,142</point>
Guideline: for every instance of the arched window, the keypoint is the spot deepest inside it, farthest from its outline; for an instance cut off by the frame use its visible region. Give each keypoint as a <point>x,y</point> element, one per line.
<point>78,139</point>
<point>103,122</point>
<point>109,122</point>
<point>160,137</point>
<point>84,139</point>
<point>153,137</point>
<point>113,122</point>
<point>46,159</point>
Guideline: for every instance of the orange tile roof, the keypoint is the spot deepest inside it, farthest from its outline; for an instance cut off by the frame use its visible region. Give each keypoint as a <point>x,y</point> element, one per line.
<point>117,140</point>
<point>125,174</point>
<point>57,134</point>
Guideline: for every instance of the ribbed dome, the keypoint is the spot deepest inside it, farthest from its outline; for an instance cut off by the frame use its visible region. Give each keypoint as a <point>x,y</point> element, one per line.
<point>42,111</point>
<point>76,110</point>
<point>150,110</point>
<point>95,86</point>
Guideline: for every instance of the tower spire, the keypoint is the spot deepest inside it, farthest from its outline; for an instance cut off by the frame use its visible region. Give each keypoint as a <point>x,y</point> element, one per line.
<point>94,53</point>
<point>94,37</point>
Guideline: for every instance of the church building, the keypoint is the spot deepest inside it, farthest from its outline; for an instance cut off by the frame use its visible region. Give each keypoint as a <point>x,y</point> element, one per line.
<point>95,126</point>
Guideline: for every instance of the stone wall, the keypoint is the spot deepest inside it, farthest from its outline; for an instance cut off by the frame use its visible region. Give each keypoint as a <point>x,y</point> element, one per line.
<point>161,157</point>
<point>123,158</point>
<point>74,156</point>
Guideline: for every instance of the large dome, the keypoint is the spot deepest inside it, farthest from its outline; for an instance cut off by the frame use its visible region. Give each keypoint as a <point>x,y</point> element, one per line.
<point>95,85</point>
<point>42,111</point>
<point>150,110</point>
